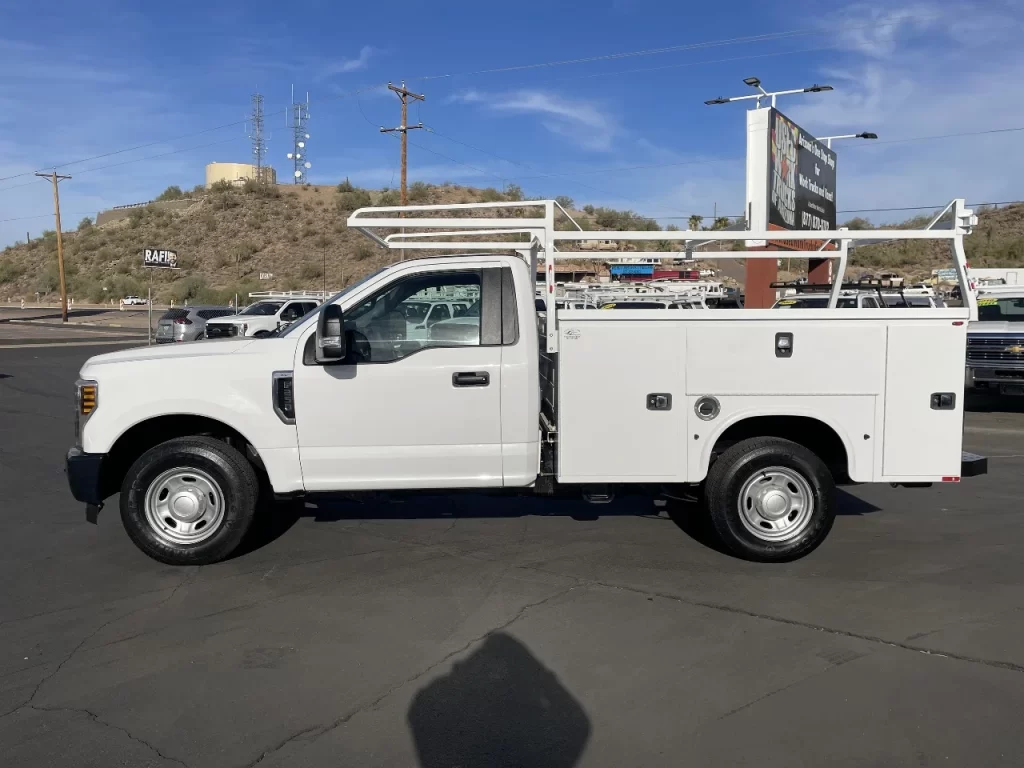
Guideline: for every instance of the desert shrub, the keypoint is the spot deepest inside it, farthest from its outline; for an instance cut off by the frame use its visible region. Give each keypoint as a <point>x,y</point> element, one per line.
<point>85,224</point>
<point>513,192</point>
<point>9,272</point>
<point>565,201</point>
<point>311,272</point>
<point>388,197</point>
<point>363,252</point>
<point>353,198</point>
<point>346,186</point>
<point>173,192</point>
<point>419,192</point>
<point>491,195</point>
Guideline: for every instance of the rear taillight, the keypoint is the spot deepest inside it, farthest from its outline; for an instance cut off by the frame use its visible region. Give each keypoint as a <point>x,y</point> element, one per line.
<point>182,321</point>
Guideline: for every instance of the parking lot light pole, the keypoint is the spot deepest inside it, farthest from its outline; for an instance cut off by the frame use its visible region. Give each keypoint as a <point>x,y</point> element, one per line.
<point>829,139</point>
<point>760,273</point>
<point>754,82</point>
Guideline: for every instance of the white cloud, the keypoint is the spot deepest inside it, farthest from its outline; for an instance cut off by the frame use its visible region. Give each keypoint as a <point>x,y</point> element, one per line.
<point>344,66</point>
<point>581,121</point>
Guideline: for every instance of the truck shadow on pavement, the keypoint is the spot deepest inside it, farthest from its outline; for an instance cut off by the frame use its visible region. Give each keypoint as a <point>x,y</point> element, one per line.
<point>498,707</point>
<point>274,520</point>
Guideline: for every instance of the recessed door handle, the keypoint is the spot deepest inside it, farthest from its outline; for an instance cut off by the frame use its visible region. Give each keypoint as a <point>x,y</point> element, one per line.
<point>471,379</point>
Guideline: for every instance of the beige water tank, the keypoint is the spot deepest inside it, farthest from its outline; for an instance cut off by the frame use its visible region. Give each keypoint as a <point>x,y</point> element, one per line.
<point>236,173</point>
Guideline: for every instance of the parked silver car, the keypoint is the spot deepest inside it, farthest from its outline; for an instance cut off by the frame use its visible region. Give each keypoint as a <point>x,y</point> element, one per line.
<point>187,323</point>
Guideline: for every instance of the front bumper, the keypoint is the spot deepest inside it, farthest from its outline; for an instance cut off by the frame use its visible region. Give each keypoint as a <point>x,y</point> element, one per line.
<point>83,471</point>
<point>972,465</point>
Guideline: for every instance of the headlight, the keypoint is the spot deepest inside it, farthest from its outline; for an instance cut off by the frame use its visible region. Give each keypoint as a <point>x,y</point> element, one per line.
<point>87,398</point>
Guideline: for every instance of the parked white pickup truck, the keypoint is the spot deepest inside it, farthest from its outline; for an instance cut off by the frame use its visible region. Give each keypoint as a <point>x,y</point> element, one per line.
<point>761,411</point>
<point>261,318</point>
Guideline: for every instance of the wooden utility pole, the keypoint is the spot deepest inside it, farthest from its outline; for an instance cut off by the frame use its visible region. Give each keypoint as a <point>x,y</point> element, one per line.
<point>56,179</point>
<point>404,96</point>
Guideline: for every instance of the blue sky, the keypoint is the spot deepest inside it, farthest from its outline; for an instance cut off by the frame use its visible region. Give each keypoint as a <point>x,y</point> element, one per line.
<point>86,79</point>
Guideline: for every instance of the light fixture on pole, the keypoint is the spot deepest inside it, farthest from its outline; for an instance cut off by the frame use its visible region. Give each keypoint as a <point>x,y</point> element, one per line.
<point>865,135</point>
<point>754,82</point>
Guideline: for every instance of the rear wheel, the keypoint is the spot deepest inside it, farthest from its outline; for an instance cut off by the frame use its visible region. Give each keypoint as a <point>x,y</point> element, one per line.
<point>261,334</point>
<point>200,336</point>
<point>770,499</point>
<point>189,501</point>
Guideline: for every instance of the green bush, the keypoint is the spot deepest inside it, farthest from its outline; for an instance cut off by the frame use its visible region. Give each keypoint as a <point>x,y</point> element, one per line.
<point>419,192</point>
<point>85,224</point>
<point>346,186</point>
<point>565,201</point>
<point>10,272</point>
<point>49,280</point>
<point>192,289</point>
<point>173,192</point>
<point>491,195</point>
<point>513,193</point>
<point>353,198</point>
<point>219,187</point>
<point>388,197</point>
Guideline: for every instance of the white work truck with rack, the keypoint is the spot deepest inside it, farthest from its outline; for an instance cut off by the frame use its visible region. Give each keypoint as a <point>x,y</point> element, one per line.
<point>759,413</point>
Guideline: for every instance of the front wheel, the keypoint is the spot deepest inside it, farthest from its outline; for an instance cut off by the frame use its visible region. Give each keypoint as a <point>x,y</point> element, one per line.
<point>261,334</point>
<point>770,500</point>
<point>189,501</point>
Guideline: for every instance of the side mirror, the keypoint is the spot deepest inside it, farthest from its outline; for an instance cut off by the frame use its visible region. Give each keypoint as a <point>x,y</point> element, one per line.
<point>330,335</point>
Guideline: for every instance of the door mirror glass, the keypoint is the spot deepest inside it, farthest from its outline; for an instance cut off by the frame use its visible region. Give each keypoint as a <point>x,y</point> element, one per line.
<point>330,335</point>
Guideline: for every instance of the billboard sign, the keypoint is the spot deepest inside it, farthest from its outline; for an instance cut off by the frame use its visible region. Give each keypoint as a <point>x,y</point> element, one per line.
<point>801,181</point>
<point>160,257</point>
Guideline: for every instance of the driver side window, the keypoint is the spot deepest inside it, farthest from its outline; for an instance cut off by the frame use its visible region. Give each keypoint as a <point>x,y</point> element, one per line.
<point>411,315</point>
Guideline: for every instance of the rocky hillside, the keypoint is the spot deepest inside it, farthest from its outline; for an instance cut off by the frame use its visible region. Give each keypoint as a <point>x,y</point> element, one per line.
<point>229,236</point>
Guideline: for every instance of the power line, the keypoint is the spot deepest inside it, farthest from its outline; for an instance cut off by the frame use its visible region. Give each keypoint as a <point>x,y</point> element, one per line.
<point>925,207</point>
<point>127,149</point>
<point>136,160</point>
<point>768,36</point>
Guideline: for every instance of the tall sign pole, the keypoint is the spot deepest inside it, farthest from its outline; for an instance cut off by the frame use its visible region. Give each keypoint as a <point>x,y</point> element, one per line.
<point>404,96</point>
<point>56,179</point>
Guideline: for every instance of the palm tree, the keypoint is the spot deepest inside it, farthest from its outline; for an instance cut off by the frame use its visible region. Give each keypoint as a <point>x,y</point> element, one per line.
<point>695,221</point>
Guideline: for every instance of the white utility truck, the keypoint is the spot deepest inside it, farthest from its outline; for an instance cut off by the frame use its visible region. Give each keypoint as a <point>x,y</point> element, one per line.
<point>761,412</point>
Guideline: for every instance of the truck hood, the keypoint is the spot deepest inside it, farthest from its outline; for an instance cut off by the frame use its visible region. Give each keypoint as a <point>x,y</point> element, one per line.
<point>1002,327</point>
<point>171,351</point>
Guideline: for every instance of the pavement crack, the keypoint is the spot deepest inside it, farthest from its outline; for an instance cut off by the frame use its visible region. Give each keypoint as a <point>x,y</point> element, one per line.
<point>316,731</point>
<point>97,719</point>
<point>995,664</point>
<point>786,687</point>
<point>29,702</point>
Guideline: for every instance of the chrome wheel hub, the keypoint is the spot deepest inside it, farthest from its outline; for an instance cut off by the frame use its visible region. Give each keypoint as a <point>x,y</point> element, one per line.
<point>184,506</point>
<point>776,504</point>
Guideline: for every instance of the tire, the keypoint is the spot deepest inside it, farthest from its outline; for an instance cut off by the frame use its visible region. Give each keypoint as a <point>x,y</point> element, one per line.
<point>200,336</point>
<point>770,500</point>
<point>261,334</point>
<point>189,501</point>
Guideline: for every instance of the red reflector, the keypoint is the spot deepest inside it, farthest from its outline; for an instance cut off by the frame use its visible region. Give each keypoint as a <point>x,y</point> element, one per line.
<point>958,322</point>
<point>951,479</point>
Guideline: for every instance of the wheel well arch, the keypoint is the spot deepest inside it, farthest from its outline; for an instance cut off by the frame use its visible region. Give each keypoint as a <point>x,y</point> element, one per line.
<point>814,434</point>
<point>140,437</point>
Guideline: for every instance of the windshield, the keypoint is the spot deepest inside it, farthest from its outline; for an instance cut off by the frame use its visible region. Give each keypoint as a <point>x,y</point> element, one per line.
<point>262,308</point>
<point>1010,309</point>
<point>344,291</point>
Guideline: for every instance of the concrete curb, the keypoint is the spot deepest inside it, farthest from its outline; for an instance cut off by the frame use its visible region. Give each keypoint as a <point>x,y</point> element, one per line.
<point>59,324</point>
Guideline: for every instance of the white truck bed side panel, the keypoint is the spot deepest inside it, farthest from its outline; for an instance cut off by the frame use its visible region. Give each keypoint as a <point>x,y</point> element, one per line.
<point>923,358</point>
<point>738,357</point>
<point>850,416</point>
<point>606,370</point>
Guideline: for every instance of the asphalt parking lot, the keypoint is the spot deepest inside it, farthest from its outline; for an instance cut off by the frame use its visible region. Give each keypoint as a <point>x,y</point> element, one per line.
<point>486,631</point>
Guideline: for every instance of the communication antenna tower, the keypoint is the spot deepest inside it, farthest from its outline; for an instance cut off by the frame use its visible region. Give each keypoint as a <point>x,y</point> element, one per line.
<point>300,138</point>
<point>259,144</point>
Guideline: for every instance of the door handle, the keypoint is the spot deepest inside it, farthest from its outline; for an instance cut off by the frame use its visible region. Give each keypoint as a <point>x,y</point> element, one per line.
<point>471,379</point>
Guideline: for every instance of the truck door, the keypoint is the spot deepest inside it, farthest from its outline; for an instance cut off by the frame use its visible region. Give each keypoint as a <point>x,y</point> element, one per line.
<point>403,412</point>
